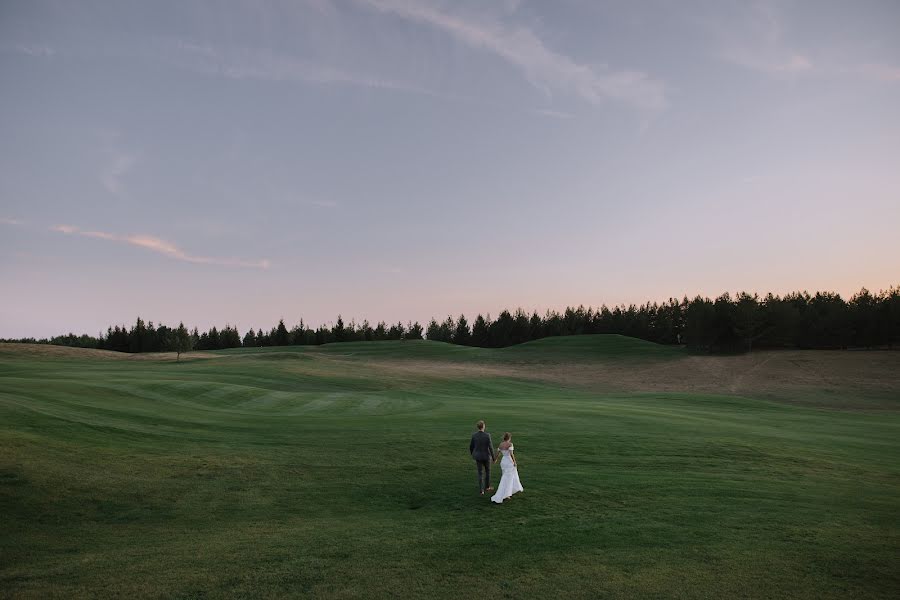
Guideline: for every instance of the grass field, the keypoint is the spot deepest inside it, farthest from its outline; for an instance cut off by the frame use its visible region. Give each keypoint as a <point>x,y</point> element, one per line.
<point>342,472</point>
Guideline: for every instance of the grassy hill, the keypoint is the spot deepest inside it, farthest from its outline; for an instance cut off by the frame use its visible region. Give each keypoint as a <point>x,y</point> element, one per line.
<point>583,348</point>
<point>342,472</point>
<point>575,348</point>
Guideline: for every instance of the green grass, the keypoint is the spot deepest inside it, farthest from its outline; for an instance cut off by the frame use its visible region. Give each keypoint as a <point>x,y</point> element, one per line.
<point>582,348</point>
<point>342,472</point>
<point>578,348</point>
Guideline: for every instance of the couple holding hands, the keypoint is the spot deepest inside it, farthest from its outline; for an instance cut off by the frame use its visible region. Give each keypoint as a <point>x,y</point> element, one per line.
<point>482,450</point>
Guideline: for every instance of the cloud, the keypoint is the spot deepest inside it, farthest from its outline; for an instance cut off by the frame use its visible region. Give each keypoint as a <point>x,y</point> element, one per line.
<point>556,114</point>
<point>754,39</point>
<point>160,246</point>
<point>115,170</point>
<point>881,72</point>
<point>324,203</point>
<point>14,222</point>
<point>773,65</point>
<point>117,164</point>
<point>543,68</point>
<point>265,65</point>
<point>35,50</point>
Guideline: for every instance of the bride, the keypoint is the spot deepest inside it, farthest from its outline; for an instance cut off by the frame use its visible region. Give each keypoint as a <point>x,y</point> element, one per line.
<point>509,481</point>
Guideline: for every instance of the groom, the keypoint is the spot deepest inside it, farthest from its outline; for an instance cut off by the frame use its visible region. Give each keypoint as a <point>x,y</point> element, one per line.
<point>482,450</point>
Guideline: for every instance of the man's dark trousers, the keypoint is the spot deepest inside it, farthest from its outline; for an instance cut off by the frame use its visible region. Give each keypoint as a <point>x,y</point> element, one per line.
<point>485,467</point>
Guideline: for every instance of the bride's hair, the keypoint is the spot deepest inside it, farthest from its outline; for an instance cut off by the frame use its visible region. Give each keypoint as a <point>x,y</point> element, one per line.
<point>506,436</point>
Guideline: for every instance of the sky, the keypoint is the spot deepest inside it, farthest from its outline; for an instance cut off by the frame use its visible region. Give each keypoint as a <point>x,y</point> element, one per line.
<point>239,162</point>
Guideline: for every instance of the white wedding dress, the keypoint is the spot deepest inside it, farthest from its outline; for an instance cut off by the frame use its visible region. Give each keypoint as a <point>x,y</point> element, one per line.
<point>509,481</point>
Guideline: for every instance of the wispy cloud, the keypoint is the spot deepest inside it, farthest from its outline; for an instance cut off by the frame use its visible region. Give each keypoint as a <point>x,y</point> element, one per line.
<point>265,65</point>
<point>881,72</point>
<point>14,222</point>
<point>36,50</point>
<point>323,203</point>
<point>510,6</point>
<point>556,114</point>
<point>160,246</point>
<point>117,165</point>
<point>544,68</point>
<point>289,200</point>
<point>771,64</point>
<point>755,39</point>
<point>113,172</point>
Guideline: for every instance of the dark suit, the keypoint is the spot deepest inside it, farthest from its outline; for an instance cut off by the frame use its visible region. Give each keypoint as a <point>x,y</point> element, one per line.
<point>482,450</point>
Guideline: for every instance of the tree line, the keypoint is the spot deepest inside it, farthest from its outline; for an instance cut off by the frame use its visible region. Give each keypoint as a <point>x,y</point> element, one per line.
<point>724,324</point>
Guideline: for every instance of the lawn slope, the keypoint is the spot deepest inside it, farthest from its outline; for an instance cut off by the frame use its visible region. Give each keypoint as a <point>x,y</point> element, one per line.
<point>342,472</point>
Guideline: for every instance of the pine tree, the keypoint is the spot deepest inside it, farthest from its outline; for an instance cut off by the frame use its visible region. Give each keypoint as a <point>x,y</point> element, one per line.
<point>748,319</point>
<point>396,332</point>
<point>500,331</point>
<point>891,302</point>
<point>351,333</point>
<point>553,324</point>
<point>725,338</point>
<point>182,341</point>
<point>165,339</point>
<point>298,334</point>
<point>323,335</point>
<point>535,327</point>
<point>281,337</point>
<point>446,329</point>
<point>338,331</point>
<point>699,332</point>
<point>864,319</point>
<point>434,330</point>
<point>481,332</point>
<point>137,336</point>
<point>521,329</point>
<point>149,343</point>
<point>215,343</point>
<point>462,335</point>
<point>414,331</point>
<point>230,337</point>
